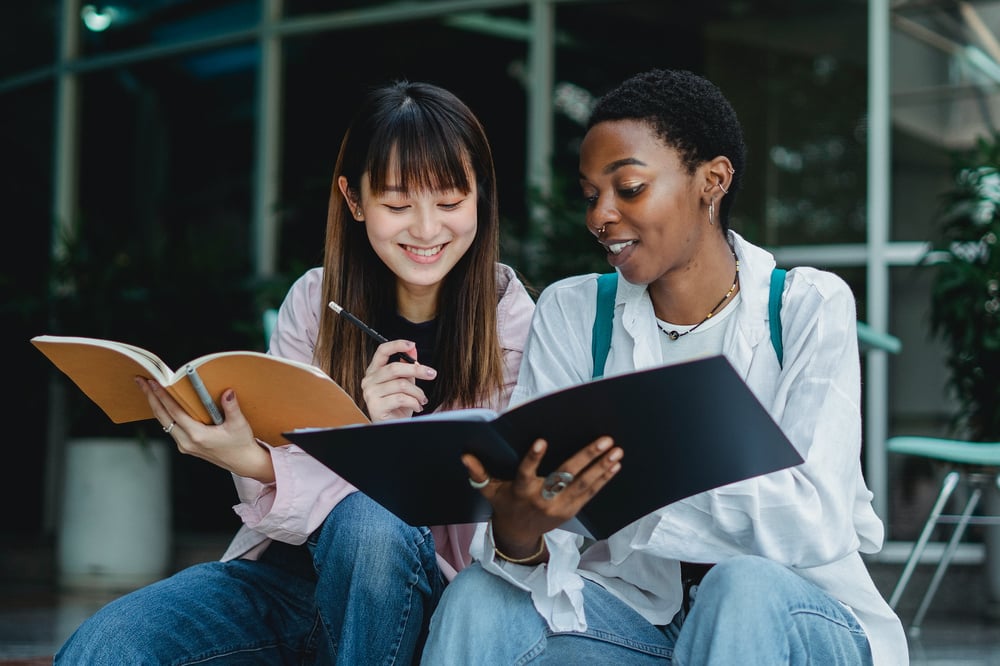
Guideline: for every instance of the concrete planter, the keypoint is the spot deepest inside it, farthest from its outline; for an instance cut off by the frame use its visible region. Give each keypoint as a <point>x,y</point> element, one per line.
<point>114,531</point>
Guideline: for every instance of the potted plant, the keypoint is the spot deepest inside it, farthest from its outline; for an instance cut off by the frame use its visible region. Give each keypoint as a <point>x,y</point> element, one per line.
<point>965,309</point>
<point>965,296</point>
<point>113,525</point>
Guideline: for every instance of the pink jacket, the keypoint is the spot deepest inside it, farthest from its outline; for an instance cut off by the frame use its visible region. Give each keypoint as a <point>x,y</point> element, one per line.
<point>305,491</point>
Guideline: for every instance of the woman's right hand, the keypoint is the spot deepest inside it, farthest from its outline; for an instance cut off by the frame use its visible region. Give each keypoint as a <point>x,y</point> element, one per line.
<point>389,389</point>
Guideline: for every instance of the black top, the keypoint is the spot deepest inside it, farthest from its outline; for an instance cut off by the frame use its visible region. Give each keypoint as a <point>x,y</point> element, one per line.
<point>424,334</point>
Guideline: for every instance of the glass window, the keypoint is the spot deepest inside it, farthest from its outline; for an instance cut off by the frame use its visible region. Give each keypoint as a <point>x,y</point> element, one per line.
<point>319,103</point>
<point>945,97</point>
<point>797,78</point>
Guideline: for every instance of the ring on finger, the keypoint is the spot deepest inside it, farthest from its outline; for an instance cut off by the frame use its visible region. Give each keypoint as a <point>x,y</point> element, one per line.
<point>555,483</point>
<point>480,484</point>
<point>170,427</point>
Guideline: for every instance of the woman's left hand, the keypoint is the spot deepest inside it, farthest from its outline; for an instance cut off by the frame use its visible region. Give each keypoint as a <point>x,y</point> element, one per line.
<point>230,445</point>
<point>528,506</point>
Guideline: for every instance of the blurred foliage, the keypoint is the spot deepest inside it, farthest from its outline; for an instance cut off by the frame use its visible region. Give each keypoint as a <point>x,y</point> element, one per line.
<point>558,243</point>
<point>176,297</point>
<point>965,297</point>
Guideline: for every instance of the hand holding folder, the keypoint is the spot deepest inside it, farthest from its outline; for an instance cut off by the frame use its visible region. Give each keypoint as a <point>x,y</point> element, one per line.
<point>667,419</point>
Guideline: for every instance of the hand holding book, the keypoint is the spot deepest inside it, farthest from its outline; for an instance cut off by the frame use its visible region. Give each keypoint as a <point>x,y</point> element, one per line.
<point>674,443</point>
<point>275,394</point>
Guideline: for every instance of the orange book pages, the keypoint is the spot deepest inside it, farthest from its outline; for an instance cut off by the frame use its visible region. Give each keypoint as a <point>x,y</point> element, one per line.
<point>106,376</point>
<point>276,396</point>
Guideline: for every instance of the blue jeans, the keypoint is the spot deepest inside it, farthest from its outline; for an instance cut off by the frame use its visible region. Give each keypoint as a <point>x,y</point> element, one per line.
<point>747,611</point>
<point>360,591</point>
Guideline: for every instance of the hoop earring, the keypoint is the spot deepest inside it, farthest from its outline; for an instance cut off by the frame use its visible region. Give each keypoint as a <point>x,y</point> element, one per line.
<point>722,188</point>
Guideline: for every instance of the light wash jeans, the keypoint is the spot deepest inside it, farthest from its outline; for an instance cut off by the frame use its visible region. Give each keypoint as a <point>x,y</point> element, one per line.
<point>747,610</point>
<point>360,591</point>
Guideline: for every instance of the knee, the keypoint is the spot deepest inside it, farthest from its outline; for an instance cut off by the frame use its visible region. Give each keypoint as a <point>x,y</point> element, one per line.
<point>104,638</point>
<point>359,524</point>
<point>360,537</point>
<point>745,584</point>
<point>744,576</point>
<point>477,595</point>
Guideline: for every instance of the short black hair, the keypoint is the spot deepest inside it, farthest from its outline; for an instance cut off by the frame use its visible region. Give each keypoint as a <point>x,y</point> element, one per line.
<point>688,113</point>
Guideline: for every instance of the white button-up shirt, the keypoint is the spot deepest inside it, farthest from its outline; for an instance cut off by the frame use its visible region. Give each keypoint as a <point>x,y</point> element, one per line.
<point>815,518</point>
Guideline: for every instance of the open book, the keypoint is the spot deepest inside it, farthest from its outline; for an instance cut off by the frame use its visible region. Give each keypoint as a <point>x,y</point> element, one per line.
<point>275,394</point>
<point>685,429</point>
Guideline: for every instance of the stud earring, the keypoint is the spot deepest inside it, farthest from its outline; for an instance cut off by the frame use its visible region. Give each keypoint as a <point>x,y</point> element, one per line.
<point>601,230</point>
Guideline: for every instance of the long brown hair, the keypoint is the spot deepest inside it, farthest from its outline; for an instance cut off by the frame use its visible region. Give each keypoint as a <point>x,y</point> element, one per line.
<point>438,140</point>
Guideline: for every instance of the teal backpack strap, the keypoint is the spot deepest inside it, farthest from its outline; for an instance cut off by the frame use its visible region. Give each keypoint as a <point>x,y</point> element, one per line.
<point>774,311</point>
<point>607,285</point>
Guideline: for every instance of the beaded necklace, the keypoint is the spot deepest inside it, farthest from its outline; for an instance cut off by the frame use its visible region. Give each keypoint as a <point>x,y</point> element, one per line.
<point>673,335</point>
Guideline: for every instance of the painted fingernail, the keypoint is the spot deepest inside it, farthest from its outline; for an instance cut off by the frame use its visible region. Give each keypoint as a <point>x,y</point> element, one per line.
<point>615,455</point>
<point>430,372</point>
<point>604,445</point>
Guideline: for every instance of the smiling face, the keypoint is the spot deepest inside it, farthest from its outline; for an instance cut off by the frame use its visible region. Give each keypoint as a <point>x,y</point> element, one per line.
<point>420,233</point>
<point>652,210</point>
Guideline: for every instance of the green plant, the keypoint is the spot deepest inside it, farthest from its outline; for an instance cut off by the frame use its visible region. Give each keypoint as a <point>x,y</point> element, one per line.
<point>965,296</point>
<point>178,296</point>
<point>557,244</point>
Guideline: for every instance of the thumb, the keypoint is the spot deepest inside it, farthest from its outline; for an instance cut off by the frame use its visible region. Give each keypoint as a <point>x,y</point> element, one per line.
<point>230,406</point>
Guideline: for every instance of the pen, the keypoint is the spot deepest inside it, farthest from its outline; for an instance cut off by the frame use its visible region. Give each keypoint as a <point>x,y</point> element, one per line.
<point>203,395</point>
<point>372,333</point>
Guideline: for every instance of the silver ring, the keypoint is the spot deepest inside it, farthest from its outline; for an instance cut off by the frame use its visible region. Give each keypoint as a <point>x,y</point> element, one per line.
<point>555,483</point>
<point>479,484</point>
<point>170,427</point>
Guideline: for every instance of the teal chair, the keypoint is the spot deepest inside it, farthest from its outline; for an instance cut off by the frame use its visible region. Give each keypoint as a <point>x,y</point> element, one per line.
<point>269,318</point>
<point>870,339</point>
<point>972,465</point>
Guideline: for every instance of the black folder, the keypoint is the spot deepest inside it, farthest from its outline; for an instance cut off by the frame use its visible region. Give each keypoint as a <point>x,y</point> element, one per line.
<point>684,428</point>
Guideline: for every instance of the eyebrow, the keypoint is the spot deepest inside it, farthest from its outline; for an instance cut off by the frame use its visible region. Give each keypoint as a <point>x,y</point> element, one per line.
<point>618,164</point>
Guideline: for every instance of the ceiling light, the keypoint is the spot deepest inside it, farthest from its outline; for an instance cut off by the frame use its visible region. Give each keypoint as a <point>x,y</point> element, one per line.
<point>98,20</point>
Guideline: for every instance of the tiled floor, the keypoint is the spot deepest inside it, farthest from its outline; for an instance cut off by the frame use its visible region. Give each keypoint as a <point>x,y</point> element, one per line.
<point>35,618</point>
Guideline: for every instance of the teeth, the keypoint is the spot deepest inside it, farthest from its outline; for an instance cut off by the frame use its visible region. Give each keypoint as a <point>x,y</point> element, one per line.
<point>424,252</point>
<point>616,248</point>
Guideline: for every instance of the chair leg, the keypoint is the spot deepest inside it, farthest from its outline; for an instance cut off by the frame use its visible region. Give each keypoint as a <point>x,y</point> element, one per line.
<point>947,488</point>
<point>949,552</point>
